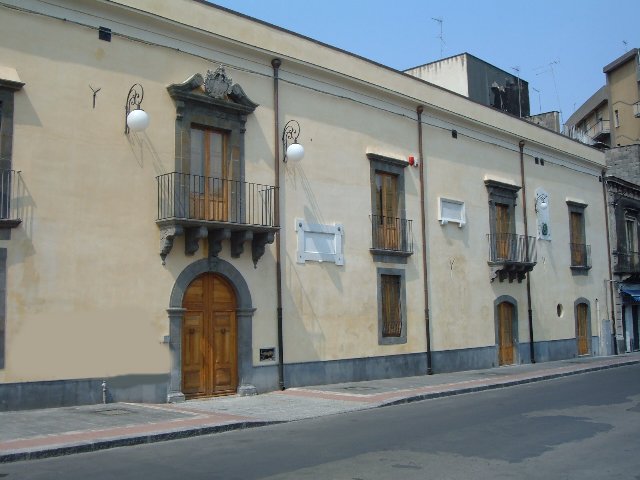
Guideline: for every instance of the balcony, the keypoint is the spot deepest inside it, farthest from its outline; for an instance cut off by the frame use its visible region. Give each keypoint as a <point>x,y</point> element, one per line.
<point>218,209</point>
<point>580,256</point>
<point>636,109</point>
<point>599,131</point>
<point>511,256</point>
<point>10,192</point>
<point>626,262</point>
<point>391,236</point>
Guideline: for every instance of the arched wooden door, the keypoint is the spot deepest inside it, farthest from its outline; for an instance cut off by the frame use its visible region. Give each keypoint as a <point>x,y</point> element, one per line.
<point>506,344</point>
<point>582,332</point>
<point>209,338</point>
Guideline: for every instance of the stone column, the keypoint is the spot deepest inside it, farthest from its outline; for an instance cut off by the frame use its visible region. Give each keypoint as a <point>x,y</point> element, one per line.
<point>245,351</point>
<point>176,315</point>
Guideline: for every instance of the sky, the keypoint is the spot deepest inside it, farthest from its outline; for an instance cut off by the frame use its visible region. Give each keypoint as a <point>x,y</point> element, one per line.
<point>559,47</point>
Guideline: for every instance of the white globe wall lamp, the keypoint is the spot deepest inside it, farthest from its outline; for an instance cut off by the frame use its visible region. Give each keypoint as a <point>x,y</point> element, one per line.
<point>292,149</point>
<point>136,119</point>
<point>541,203</point>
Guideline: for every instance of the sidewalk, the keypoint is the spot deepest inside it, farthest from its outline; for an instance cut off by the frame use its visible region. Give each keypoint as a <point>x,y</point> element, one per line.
<point>32,434</point>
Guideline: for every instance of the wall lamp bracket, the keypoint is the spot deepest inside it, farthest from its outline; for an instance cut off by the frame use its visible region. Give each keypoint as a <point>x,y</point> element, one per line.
<point>136,119</point>
<point>290,146</point>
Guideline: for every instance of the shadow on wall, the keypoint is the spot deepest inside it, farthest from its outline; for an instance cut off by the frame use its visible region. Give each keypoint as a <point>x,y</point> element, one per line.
<point>142,147</point>
<point>25,207</point>
<point>313,341</point>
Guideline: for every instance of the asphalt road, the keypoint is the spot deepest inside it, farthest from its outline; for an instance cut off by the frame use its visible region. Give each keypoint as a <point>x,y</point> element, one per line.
<point>583,427</point>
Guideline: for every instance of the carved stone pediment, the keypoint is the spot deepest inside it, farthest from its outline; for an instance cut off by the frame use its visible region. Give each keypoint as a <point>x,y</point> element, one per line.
<point>215,88</point>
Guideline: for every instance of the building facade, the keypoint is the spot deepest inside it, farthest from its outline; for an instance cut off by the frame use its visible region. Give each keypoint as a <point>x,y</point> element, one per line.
<point>478,80</point>
<point>421,232</point>
<point>623,190</point>
<point>611,116</point>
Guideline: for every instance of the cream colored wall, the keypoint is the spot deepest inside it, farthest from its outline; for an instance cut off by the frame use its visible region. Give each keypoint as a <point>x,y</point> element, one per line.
<point>450,73</point>
<point>461,294</point>
<point>87,292</point>
<point>552,281</point>
<point>331,312</point>
<point>89,242</point>
<point>623,88</point>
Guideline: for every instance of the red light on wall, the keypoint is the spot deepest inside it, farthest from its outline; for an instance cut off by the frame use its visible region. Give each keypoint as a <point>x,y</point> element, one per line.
<point>412,160</point>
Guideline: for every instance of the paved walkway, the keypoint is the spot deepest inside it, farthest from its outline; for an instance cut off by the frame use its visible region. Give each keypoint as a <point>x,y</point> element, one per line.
<point>34,434</point>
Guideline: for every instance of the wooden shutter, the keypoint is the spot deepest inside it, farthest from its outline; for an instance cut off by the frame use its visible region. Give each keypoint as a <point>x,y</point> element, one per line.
<point>583,341</point>
<point>505,334</point>
<point>503,230</point>
<point>391,307</point>
<point>386,209</point>
<point>577,238</point>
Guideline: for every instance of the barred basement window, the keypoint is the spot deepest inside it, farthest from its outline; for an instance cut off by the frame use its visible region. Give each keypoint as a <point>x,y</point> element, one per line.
<point>391,308</point>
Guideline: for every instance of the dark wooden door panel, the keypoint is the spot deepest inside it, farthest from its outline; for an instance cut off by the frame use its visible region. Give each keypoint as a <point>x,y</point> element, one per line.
<point>209,340</point>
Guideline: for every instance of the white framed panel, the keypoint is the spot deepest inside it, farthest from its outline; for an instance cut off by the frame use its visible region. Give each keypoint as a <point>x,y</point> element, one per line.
<point>319,243</point>
<point>451,211</point>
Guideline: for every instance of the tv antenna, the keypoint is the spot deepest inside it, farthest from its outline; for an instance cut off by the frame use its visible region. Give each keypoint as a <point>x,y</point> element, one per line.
<point>441,37</point>
<point>626,45</point>
<point>549,68</point>
<point>517,70</point>
<point>539,101</point>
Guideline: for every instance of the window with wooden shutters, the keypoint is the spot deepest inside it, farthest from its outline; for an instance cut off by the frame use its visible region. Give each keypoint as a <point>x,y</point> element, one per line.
<point>386,211</point>
<point>392,313</point>
<point>391,231</point>
<point>580,251</point>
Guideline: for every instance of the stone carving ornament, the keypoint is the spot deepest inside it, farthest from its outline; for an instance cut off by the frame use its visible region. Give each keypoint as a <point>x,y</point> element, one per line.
<point>217,84</point>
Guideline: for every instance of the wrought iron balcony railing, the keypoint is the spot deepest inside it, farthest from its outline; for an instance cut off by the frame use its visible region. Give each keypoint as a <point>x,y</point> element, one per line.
<point>511,248</point>
<point>580,255</point>
<point>10,193</point>
<point>392,234</point>
<point>183,196</point>
<point>627,262</point>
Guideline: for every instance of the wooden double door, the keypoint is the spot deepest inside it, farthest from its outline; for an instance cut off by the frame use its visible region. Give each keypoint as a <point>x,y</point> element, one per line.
<point>582,329</point>
<point>209,338</point>
<point>506,338</point>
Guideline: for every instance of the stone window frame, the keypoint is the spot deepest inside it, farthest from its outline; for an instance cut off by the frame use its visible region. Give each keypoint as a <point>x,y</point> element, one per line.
<point>506,194</point>
<point>8,88</point>
<point>402,339</point>
<point>393,166</point>
<point>578,207</point>
<point>227,113</point>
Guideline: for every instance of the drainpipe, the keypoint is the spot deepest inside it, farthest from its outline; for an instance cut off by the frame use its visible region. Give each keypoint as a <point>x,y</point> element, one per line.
<point>526,245</point>
<point>276,128</point>
<point>423,227</point>
<point>613,306</point>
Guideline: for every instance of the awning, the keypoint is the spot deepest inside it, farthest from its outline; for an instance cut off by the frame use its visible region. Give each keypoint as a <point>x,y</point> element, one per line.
<point>631,290</point>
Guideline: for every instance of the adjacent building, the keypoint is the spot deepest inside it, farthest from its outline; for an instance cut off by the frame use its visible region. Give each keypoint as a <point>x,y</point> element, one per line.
<point>478,80</point>
<point>422,232</point>
<point>623,201</point>
<point>611,116</point>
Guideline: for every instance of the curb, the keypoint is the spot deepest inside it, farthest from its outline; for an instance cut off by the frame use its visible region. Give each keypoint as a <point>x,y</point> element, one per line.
<point>103,444</point>
<point>495,386</point>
